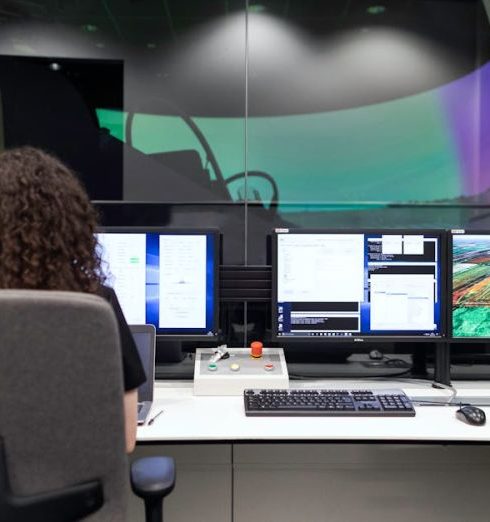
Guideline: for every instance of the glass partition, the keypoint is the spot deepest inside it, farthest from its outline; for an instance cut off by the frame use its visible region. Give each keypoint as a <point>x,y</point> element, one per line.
<point>362,114</point>
<point>248,116</point>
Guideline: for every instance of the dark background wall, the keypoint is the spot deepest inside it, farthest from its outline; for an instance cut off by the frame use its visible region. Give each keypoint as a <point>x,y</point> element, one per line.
<point>249,115</point>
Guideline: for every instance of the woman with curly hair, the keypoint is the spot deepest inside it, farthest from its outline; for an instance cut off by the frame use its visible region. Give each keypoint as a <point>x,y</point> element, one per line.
<point>47,242</point>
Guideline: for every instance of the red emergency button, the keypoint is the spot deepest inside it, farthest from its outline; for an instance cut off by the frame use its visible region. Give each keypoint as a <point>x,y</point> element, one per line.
<point>256,349</point>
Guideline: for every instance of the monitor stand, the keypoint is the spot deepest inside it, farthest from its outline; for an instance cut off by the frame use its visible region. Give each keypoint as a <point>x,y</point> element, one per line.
<point>301,354</point>
<point>171,362</point>
<point>168,351</point>
<point>350,366</point>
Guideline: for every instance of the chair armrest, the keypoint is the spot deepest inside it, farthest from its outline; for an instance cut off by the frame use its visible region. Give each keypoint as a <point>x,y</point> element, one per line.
<point>153,477</point>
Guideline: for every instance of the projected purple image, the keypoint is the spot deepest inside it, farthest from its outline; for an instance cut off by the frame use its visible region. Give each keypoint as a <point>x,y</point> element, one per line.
<point>467,109</point>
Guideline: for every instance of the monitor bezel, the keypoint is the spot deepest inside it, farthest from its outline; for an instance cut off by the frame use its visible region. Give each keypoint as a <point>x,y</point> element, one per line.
<point>362,338</point>
<point>451,233</point>
<point>151,330</point>
<point>181,231</point>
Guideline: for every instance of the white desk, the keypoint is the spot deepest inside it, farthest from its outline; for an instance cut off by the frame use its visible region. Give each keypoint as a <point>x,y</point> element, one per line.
<point>319,469</point>
<point>196,418</point>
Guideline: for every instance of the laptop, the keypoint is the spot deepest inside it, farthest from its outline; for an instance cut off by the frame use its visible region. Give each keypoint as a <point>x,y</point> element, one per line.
<point>144,336</point>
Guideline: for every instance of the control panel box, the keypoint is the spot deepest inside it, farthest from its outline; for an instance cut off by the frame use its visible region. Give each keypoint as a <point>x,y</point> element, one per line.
<point>239,371</point>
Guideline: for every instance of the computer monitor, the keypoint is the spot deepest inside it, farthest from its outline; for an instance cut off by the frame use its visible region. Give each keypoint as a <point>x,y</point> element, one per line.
<point>469,254</point>
<point>164,277</point>
<point>358,285</point>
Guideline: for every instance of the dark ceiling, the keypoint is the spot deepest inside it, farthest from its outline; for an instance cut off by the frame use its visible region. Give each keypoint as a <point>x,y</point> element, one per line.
<point>153,22</point>
<point>166,55</point>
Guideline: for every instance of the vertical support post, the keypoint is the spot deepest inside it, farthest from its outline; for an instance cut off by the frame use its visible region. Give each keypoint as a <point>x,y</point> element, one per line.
<point>154,509</point>
<point>442,369</point>
<point>419,361</point>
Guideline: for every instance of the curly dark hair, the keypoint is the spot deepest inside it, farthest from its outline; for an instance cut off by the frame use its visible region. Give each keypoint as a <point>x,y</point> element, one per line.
<point>47,225</point>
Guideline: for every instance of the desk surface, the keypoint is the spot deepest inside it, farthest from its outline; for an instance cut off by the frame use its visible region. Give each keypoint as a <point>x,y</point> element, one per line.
<point>189,418</point>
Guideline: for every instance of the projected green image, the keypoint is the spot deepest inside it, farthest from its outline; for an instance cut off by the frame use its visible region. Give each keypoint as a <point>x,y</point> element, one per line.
<point>394,151</point>
<point>113,121</point>
<point>414,149</point>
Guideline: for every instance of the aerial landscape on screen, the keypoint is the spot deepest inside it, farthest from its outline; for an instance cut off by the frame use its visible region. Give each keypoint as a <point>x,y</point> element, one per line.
<point>471,286</point>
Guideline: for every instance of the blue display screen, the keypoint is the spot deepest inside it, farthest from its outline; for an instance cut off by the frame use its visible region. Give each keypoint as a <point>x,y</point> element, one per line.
<point>357,284</point>
<point>167,279</point>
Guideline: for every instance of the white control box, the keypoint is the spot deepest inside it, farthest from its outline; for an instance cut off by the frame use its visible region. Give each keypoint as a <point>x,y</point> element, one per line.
<point>239,371</point>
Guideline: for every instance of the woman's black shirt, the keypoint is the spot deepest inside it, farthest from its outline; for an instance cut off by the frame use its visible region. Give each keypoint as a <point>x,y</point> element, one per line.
<point>133,372</point>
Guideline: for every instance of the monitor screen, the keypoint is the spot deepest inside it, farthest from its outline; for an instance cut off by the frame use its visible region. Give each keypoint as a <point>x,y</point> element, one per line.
<point>470,286</point>
<point>164,277</point>
<point>353,285</point>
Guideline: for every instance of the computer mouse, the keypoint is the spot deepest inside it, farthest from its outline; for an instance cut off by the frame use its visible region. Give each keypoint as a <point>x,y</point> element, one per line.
<point>376,355</point>
<point>471,415</point>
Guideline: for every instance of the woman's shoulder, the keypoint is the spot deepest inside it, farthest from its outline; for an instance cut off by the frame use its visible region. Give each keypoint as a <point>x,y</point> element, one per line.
<point>106,292</point>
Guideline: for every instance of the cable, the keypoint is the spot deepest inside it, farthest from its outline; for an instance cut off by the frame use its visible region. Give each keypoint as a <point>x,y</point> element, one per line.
<point>413,381</point>
<point>439,403</point>
<point>447,387</point>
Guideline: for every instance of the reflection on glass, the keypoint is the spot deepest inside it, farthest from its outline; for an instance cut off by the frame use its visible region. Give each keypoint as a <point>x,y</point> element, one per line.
<point>353,110</point>
<point>178,133</point>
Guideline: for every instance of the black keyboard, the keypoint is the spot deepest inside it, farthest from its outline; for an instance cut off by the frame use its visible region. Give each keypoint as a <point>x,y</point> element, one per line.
<point>323,402</point>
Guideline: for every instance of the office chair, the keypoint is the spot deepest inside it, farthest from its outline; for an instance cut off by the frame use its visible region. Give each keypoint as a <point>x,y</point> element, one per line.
<point>62,442</point>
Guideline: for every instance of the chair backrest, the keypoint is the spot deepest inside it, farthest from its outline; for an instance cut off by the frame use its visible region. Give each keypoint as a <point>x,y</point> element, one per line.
<point>61,395</point>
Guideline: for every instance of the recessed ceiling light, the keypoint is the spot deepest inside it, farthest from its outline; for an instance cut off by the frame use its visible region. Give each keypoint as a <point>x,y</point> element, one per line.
<point>376,9</point>
<point>90,28</point>
<point>256,8</point>
<point>54,66</point>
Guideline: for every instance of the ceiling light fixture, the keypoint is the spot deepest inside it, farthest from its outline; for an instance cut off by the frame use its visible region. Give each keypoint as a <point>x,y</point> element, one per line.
<point>376,9</point>
<point>90,28</point>
<point>256,8</point>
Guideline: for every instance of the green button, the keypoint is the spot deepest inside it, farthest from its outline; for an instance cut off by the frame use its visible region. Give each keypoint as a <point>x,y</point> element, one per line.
<point>212,367</point>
